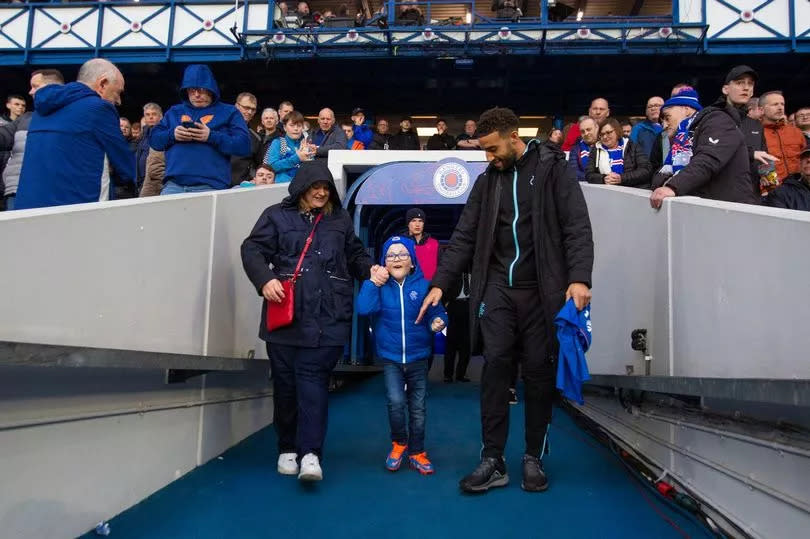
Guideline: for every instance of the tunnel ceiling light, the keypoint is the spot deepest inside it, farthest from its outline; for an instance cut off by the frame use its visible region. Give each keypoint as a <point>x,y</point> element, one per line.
<point>579,15</point>
<point>527,131</point>
<point>426,131</point>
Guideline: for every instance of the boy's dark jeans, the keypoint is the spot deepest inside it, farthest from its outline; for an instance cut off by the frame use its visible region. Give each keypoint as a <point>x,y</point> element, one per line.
<point>411,431</point>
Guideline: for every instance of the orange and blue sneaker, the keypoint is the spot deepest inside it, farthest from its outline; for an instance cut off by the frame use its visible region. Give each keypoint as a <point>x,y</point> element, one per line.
<point>421,463</point>
<point>394,459</point>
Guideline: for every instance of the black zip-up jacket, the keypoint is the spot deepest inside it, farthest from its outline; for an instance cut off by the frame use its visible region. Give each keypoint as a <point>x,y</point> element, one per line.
<point>381,142</point>
<point>324,291</point>
<point>441,142</point>
<point>720,168</point>
<point>561,232</point>
<point>405,140</point>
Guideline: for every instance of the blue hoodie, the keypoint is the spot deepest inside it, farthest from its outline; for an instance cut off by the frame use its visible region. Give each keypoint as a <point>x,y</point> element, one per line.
<point>574,335</point>
<point>72,130</point>
<point>396,307</point>
<point>201,163</point>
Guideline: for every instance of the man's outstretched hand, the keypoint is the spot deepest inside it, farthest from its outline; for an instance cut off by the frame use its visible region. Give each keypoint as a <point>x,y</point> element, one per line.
<point>431,300</point>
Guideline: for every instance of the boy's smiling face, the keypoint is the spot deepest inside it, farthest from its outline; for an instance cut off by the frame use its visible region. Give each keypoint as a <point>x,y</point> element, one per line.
<point>398,261</point>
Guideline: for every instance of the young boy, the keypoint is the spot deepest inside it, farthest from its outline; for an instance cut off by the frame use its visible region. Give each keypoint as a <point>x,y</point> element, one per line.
<point>395,294</point>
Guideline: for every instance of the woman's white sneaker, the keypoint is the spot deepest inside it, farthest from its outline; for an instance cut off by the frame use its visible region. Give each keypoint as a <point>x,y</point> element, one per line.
<point>288,463</point>
<point>310,468</point>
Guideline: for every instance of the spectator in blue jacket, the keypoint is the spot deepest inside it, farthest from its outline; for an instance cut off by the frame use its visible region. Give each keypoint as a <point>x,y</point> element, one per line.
<point>199,136</point>
<point>645,133</point>
<point>362,132</point>
<point>73,140</point>
<point>287,153</point>
<point>404,345</point>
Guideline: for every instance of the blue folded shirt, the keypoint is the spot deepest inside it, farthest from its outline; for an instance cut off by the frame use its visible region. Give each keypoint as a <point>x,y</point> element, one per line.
<point>574,335</point>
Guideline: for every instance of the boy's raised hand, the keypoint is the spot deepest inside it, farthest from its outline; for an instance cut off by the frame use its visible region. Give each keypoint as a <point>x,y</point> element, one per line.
<point>379,275</point>
<point>437,325</point>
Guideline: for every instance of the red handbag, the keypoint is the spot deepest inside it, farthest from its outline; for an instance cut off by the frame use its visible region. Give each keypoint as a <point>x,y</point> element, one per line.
<point>281,314</point>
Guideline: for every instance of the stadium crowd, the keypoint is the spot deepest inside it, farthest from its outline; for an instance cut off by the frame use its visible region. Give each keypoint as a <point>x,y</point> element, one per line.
<point>74,148</point>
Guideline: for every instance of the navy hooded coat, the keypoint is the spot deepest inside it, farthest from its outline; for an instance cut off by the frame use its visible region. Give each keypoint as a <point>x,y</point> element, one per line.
<point>324,291</point>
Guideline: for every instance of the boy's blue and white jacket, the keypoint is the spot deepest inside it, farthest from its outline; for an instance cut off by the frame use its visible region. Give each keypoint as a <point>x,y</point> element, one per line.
<point>395,307</point>
<point>574,335</point>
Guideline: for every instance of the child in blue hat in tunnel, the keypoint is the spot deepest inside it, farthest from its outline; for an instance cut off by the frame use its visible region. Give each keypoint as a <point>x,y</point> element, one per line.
<point>394,295</point>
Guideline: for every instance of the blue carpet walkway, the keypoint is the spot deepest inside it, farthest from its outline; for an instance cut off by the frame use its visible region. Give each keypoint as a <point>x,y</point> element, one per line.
<point>242,496</point>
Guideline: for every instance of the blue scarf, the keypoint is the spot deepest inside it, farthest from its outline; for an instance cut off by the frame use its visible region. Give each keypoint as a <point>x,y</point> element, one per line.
<point>680,151</point>
<point>584,151</point>
<point>616,157</point>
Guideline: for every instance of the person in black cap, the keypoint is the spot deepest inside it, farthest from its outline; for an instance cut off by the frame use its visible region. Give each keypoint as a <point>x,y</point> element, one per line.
<point>406,139</point>
<point>362,132</point>
<point>739,89</point>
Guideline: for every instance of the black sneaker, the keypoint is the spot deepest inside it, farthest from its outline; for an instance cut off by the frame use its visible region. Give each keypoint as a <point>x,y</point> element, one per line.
<point>463,379</point>
<point>512,395</point>
<point>534,478</point>
<point>491,472</point>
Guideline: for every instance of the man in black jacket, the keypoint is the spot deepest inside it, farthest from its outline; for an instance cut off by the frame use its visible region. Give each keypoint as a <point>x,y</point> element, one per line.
<point>406,139</point>
<point>719,168</point>
<point>442,140</point>
<point>526,231</point>
<point>739,89</point>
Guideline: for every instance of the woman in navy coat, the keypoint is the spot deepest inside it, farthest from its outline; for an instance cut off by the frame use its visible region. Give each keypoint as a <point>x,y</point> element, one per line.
<point>303,354</point>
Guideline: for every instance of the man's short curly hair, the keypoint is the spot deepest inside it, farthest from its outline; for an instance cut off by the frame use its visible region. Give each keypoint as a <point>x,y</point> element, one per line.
<point>499,119</point>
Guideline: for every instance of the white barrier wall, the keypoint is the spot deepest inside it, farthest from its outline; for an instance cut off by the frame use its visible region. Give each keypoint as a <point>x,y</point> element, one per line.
<point>721,287</point>
<point>160,274</point>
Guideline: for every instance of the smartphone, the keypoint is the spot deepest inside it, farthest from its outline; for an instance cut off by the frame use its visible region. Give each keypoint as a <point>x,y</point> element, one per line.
<point>189,125</point>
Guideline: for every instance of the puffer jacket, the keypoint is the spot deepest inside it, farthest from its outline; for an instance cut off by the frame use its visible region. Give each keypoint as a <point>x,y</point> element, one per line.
<point>785,142</point>
<point>395,307</point>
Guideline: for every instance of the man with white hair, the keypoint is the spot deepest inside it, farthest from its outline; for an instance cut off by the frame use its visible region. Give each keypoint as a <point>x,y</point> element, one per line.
<point>73,140</point>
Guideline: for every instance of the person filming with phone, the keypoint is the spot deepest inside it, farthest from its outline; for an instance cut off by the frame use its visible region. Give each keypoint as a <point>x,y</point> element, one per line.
<point>287,153</point>
<point>199,136</point>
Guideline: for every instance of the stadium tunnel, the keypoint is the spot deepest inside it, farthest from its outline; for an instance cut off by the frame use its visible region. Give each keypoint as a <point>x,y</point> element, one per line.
<point>378,199</point>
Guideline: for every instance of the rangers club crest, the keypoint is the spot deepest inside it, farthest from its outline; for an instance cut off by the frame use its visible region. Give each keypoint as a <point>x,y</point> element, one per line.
<point>451,180</point>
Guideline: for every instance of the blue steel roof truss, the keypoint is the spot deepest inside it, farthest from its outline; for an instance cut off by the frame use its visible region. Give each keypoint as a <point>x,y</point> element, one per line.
<point>480,37</point>
<point>143,22</point>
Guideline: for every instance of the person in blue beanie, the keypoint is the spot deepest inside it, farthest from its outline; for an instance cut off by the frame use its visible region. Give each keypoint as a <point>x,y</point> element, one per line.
<point>394,295</point>
<point>199,136</point>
